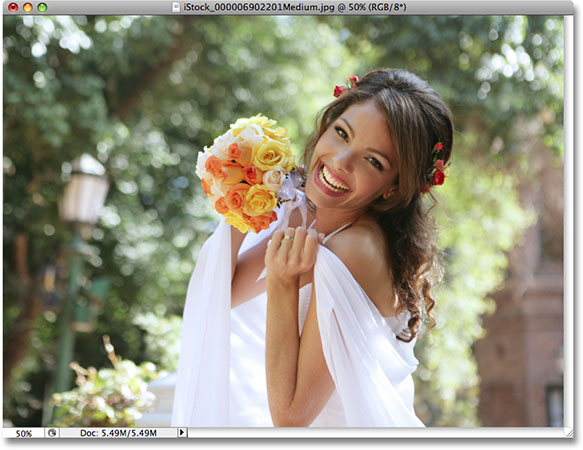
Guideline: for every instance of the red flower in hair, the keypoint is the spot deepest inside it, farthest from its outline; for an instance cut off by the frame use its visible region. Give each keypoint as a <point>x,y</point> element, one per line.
<point>353,80</point>
<point>435,175</point>
<point>338,90</point>
<point>438,178</point>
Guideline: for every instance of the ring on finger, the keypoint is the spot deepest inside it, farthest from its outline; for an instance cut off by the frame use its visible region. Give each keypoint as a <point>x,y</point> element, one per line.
<point>288,237</point>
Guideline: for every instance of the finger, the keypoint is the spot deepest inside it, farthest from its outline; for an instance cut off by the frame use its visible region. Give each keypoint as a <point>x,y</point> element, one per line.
<point>274,244</point>
<point>297,249</point>
<point>288,238</point>
<point>311,248</point>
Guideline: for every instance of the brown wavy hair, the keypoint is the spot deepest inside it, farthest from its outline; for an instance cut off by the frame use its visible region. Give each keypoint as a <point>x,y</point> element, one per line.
<point>417,118</point>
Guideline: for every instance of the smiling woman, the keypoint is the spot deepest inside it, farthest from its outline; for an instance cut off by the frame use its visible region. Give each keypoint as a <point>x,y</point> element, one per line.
<point>326,337</point>
<point>388,136</point>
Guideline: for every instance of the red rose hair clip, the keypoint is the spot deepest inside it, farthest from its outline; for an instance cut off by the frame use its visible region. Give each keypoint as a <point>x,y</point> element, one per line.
<point>437,172</point>
<point>338,90</point>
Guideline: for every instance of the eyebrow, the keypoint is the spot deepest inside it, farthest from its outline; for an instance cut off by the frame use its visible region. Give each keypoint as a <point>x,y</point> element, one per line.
<point>374,150</point>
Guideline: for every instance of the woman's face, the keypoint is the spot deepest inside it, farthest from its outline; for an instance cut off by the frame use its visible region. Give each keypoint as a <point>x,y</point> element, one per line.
<point>354,161</point>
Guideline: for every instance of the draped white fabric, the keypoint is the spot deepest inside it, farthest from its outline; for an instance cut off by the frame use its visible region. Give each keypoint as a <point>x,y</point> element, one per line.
<point>202,386</point>
<point>221,371</point>
<point>370,367</point>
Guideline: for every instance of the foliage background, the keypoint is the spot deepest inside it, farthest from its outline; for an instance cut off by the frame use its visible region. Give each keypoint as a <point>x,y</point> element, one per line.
<point>145,94</point>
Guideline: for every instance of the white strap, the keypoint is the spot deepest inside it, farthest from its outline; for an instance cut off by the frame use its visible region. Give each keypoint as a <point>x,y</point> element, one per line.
<point>346,225</point>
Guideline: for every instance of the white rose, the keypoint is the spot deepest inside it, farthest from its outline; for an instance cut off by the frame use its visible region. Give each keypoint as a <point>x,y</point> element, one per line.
<point>221,145</point>
<point>217,189</point>
<point>273,179</point>
<point>212,200</point>
<point>200,162</point>
<point>251,136</point>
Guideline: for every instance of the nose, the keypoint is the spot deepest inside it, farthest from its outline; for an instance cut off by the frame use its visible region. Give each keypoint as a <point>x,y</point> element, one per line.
<point>343,160</point>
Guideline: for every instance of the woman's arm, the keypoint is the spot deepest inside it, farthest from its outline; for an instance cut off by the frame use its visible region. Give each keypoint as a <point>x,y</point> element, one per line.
<point>282,346</point>
<point>236,240</point>
<point>298,381</point>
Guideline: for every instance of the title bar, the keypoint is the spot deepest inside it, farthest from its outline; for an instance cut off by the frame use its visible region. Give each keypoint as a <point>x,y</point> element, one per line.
<point>293,7</point>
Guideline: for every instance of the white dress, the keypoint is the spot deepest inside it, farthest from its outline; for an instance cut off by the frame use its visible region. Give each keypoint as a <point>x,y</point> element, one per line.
<point>221,373</point>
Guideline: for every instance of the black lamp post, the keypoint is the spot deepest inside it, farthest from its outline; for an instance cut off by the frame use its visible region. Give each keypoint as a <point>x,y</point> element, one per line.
<point>83,199</point>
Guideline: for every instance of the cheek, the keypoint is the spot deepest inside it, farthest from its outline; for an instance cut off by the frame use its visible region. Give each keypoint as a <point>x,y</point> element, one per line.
<point>372,186</point>
<point>319,150</point>
<point>368,188</point>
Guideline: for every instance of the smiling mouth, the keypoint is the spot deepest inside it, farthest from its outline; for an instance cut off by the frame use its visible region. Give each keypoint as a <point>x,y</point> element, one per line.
<point>330,182</point>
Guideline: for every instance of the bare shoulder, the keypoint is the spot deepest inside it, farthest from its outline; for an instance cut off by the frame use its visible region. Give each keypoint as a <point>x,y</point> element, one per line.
<point>358,245</point>
<point>363,250</point>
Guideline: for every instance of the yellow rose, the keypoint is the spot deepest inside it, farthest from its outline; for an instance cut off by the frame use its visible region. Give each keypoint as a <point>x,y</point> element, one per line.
<point>260,120</point>
<point>259,199</point>
<point>278,133</point>
<point>272,154</point>
<point>237,221</point>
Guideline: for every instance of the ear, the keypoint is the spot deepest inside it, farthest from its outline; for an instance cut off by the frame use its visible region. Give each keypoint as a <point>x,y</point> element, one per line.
<point>390,193</point>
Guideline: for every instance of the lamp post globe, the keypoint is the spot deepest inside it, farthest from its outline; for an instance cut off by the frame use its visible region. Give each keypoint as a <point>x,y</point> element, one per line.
<point>85,193</point>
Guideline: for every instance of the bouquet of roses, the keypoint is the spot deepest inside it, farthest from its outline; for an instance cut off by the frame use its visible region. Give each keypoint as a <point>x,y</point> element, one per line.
<point>244,172</point>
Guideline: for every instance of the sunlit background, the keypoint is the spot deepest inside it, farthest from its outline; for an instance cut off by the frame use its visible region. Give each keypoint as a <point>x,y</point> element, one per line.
<point>143,95</point>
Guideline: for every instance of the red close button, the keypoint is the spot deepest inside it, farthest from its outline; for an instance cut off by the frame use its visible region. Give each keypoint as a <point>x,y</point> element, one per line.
<point>12,7</point>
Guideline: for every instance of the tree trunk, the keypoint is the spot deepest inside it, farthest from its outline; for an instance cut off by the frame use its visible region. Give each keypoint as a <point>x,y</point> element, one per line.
<point>16,346</point>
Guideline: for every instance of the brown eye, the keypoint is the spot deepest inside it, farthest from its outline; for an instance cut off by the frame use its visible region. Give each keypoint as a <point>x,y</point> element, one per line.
<point>341,133</point>
<point>375,162</point>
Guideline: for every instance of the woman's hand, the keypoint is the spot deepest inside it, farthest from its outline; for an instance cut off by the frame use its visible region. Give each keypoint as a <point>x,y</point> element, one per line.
<point>291,254</point>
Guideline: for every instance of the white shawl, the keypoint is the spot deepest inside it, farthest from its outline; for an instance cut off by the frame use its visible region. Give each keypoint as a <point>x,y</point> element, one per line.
<point>370,367</point>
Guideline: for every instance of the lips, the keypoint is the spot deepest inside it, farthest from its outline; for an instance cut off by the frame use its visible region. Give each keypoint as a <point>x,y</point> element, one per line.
<point>330,182</point>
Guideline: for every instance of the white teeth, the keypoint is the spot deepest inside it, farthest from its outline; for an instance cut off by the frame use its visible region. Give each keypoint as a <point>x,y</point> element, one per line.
<point>330,182</point>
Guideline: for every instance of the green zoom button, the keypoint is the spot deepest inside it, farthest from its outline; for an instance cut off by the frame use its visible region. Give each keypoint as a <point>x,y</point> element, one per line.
<point>42,7</point>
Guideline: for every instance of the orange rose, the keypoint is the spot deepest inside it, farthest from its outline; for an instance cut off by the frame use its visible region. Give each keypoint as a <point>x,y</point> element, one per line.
<point>252,174</point>
<point>213,166</point>
<point>233,172</point>
<point>242,155</point>
<point>262,222</point>
<point>234,151</point>
<point>235,197</point>
<point>221,206</point>
<point>205,187</point>
<point>245,156</point>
